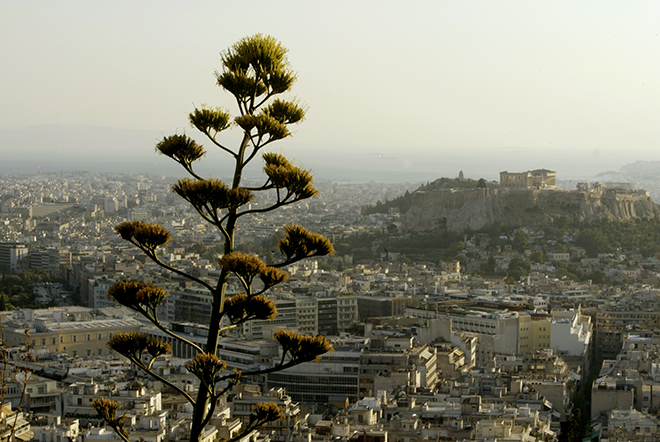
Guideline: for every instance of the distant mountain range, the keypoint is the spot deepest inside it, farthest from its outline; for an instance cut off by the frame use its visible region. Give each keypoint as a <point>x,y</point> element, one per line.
<point>641,174</point>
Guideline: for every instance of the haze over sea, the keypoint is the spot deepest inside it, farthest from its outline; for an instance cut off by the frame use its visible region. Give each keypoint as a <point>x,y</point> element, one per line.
<point>62,148</point>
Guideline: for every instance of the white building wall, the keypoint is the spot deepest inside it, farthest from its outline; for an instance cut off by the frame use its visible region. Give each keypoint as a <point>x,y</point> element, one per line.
<point>571,333</point>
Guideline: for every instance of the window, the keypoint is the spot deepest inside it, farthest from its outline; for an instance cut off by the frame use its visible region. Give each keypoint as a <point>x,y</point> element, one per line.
<point>89,337</point>
<point>52,341</point>
<point>75,353</point>
<point>43,341</point>
<point>89,352</point>
<point>100,350</point>
<point>99,337</point>
<point>75,338</point>
<point>109,335</point>
<point>61,339</point>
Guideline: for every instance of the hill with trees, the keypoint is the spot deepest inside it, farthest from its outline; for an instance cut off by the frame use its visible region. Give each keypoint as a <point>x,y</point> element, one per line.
<point>462,209</point>
<point>405,201</point>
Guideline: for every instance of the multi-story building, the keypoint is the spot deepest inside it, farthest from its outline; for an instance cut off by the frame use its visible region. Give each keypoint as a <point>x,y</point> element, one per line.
<point>334,379</point>
<point>52,260</point>
<point>77,331</point>
<point>610,326</point>
<point>347,312</point>
<point>307,315</point>
<point>632,425</point>
<point>280,430</point>
<point>327,316</point>
<point>98,292</point>
<point>534,332</point>
<point>135,397</point>
<point>387,354</point>
<point>630,380</point>
<point>571,337</point>
<point>11,255</point>
<point>192,304</point>
<point>287,318</point>
<point>381,306</point>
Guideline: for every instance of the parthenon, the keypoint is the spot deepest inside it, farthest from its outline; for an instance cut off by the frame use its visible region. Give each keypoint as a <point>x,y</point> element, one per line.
<point>539,178</point>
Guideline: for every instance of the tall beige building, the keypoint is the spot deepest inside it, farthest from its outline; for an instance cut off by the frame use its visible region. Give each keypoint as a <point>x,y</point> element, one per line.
<point>534,332</point>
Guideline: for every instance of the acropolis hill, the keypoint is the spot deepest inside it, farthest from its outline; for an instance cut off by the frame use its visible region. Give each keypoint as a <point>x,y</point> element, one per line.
<point>528,198</point>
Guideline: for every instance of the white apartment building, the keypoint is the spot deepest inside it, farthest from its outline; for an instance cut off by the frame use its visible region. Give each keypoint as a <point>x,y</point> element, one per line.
<point>571,333</point>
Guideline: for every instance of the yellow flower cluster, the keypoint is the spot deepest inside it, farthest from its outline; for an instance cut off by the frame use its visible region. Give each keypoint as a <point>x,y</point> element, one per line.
<point>206,367</point>
<point>137,295</point>
<point>285,175</point>
<point>302,348</point>
<point>299,243</point>
<point>147,235</point>
<point>239,308</point>
<point>133,345</point>
<point>210,196</point>
<point>248,266</point>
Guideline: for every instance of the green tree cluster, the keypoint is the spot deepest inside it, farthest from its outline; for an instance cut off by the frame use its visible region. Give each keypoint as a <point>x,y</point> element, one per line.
<point>256,73</point>
<point>608,236</point>
<point>16,289</point>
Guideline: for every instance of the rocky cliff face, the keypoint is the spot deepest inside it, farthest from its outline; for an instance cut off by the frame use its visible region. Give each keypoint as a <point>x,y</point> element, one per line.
<point>476,208</point>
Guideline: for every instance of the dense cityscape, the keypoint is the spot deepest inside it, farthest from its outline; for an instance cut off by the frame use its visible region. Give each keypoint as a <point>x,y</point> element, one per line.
<point>448,350</point>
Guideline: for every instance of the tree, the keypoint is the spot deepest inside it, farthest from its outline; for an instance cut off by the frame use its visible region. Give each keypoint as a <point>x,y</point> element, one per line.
<point>454,249</point>
<point>518,267</point>
<point>255,71</point>
<point>198,248</point>
<point>593,241</point>
<point>537,257</point>
<point>520,240</point>
<point>597,277</point>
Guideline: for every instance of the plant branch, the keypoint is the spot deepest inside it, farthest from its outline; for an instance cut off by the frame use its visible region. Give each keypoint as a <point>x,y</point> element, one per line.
<point>277,368</point>
<point>268,95</point>
<point>152,255</point>
<point>229,327</point>
<point>190,170</point>
<point>219,145</point>
<point>140,364</point>
<point>174,335</point>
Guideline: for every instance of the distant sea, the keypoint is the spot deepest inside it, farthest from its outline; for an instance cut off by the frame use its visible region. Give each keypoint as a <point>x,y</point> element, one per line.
<point>61,148</point>
<point>341,168</point>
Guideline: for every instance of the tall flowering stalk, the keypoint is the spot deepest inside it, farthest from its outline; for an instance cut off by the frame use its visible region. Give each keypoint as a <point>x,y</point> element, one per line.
<point>256,72</point>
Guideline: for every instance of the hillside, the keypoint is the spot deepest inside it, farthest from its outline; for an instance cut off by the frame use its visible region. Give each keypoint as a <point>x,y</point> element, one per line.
<point>462,209</point>
<point>405,202</point>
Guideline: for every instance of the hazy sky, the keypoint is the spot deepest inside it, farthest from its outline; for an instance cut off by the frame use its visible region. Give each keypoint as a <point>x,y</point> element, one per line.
<point>397,78</point>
